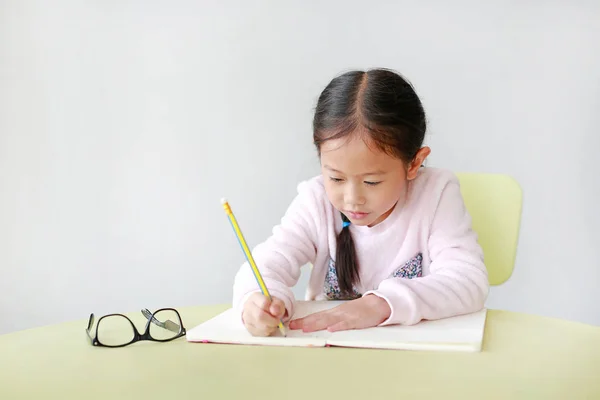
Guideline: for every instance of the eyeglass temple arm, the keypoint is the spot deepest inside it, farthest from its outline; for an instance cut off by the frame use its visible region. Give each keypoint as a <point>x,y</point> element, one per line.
<point>89,327</point>
<point>168,324</point>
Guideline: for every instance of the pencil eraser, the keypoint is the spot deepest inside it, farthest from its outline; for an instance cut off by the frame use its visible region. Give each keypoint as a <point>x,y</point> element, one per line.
<point>223,200</point>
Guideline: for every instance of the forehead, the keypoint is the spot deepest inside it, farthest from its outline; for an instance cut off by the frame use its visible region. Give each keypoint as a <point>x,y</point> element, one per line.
<point>355,155</point>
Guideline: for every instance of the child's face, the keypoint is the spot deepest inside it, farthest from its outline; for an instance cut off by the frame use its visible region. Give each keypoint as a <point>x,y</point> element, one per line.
<point>361,181</point>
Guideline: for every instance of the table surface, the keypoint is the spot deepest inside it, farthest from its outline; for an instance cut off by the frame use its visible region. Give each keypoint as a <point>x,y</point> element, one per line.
<point>523,356</point>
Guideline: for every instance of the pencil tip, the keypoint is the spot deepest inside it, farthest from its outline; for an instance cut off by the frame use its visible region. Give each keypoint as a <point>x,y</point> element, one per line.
<point>223,200</point>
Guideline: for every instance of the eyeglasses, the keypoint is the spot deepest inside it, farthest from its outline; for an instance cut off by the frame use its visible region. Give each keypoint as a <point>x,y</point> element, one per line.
<point>117,330</point>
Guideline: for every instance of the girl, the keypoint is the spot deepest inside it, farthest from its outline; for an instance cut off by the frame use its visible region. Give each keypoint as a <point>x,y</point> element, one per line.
<point>392,237</point>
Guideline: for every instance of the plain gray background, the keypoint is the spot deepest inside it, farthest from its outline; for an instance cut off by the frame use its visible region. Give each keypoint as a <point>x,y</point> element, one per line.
<point>123,123</point>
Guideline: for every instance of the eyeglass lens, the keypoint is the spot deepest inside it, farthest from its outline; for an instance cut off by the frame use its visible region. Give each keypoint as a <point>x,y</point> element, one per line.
<point>168,326</point>
<point>115,330</point>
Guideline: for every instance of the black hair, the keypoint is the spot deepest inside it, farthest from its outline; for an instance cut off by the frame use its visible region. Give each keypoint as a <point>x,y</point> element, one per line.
<point>383,104</point>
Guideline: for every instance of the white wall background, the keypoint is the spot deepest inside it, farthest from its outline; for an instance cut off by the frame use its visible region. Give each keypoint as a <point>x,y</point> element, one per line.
<point>122,124</point>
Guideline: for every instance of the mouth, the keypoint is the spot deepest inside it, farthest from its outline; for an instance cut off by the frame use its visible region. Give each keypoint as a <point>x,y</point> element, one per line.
<point>356,215</point>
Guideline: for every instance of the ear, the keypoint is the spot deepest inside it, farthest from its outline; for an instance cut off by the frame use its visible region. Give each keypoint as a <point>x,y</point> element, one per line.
<point>416,163</point>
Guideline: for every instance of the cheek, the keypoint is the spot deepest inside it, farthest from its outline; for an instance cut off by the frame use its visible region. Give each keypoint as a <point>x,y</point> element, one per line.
<point>335,193</point>
<point>331,192</point>
<point>390,195</point>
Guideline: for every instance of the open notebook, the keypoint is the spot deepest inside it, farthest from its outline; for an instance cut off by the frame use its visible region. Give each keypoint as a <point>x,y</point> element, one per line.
<point>461,333</point>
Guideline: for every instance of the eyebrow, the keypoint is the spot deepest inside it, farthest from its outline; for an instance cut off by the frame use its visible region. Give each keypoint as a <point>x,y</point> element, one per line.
<point>376,172</point>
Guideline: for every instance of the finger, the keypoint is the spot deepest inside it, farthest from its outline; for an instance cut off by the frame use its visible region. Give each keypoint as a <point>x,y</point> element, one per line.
<point>258,330</point>
<point>262,317</point>
<point>254,331</point>
<point>258,317</point>
<point>261,301</point>
<point>341,326</point>
<point>277,308</point>
<point>319,321</point>
<point>296,323</point>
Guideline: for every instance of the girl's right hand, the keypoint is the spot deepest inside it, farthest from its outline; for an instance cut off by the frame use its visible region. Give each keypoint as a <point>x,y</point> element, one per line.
<point>261,316</point>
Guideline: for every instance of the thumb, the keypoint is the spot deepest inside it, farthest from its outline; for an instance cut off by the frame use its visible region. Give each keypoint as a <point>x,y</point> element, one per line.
<point>277,308</point>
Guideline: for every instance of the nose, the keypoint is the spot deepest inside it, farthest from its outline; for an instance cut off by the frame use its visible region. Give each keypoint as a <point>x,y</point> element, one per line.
<point>354,196</point>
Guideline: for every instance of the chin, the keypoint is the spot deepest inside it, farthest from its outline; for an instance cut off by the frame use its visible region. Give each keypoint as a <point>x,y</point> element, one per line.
<point>362,222</point>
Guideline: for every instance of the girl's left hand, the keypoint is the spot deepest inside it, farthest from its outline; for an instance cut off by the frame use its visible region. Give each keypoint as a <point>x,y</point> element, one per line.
<point>365,312</point>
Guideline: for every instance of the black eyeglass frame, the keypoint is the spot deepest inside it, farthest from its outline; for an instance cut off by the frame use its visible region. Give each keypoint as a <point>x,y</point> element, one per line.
<point>137,336</point>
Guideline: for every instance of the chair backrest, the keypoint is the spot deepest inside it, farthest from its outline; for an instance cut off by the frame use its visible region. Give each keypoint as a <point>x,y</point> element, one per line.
<point>494,202</point>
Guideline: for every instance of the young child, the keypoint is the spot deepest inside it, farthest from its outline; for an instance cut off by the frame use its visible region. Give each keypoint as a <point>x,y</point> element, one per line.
<point>380,230</point>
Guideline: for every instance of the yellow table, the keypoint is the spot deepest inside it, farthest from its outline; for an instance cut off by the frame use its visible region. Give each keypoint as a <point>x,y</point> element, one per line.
<point>524,356</point>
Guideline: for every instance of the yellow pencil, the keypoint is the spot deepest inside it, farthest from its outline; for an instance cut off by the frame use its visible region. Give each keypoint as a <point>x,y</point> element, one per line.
<point>249,257</point>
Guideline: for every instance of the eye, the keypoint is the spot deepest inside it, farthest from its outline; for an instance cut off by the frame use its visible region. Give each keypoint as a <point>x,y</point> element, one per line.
<point>337,180</point>
<point>372,183</point>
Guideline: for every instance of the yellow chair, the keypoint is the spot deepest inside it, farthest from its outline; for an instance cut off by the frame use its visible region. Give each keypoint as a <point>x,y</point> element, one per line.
<point>494,202</point>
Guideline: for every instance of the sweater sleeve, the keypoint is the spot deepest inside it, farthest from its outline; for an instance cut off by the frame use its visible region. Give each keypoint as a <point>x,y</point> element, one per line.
<point>458,281</point>
<point>279,258</point>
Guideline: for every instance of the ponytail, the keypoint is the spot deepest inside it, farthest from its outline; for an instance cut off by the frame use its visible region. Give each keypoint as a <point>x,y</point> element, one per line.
<point>346,262</point>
